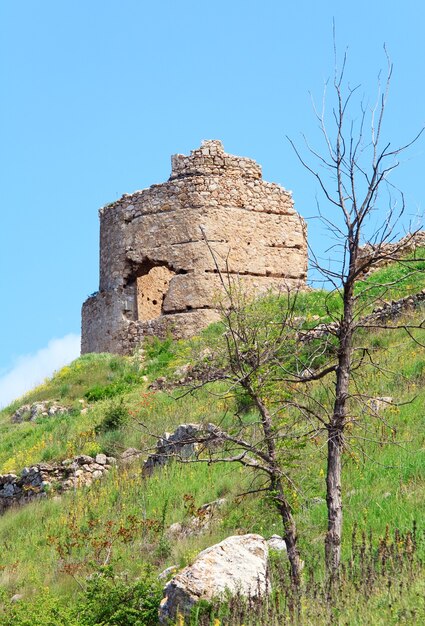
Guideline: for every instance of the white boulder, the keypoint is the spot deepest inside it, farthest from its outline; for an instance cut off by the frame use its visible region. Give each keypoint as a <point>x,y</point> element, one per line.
<point>237,565</point>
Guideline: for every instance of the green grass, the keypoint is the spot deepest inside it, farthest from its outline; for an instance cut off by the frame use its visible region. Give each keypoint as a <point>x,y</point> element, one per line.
<point>56,543</point>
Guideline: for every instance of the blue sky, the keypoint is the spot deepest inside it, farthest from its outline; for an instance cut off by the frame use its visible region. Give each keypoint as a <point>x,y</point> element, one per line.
<point>97,94</point>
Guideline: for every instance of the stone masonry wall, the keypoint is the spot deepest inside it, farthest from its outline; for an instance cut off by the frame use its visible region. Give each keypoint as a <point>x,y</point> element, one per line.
<point>156,272</point>
<point>38,480</point>
<point>390,252</point>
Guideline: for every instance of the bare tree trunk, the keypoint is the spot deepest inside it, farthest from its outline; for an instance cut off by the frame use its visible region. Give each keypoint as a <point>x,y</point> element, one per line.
<point>290,531</point>
<point>336,430</point>
<point>283,506</point>
<point>351,171</point>
<point>334,502</point>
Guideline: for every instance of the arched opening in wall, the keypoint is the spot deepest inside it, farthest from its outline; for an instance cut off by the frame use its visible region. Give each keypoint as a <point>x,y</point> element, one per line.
<point>152,282</point>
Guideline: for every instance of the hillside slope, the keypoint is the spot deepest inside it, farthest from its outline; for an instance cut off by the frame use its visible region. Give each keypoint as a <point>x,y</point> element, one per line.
<point>49,547</point>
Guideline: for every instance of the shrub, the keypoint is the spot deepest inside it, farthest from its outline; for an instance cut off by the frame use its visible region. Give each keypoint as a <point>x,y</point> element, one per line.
<point>120,386</point>
<point>159,354</point>
<point>109,600</point>
<point>101,392</point>
<point>244,403</point>
<point>114,600</point>
<point>42,609</point>
<point>115,417</point>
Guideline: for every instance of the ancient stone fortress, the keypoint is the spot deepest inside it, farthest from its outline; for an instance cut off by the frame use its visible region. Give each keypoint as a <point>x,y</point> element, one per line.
<point>157,274</point>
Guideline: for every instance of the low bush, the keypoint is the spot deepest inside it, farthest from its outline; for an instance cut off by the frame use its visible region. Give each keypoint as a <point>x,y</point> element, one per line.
<point>116,415</point>
<point>111,599</point>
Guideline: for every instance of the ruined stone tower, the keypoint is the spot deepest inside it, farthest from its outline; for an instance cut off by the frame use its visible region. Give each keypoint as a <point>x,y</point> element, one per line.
<point>156,273</point>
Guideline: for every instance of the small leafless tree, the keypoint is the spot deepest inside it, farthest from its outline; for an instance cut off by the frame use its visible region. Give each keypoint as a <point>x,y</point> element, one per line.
<point>245,358</point>
<point>352,171</point>
<point>257,342</point>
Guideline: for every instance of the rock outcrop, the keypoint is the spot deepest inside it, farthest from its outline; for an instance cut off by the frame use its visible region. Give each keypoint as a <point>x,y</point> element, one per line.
<point>238,564</point>
<point>157,274</point>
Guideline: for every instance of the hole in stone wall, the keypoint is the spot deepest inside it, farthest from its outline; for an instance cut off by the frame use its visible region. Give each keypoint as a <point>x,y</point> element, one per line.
<point>151,289</point>
<point>151,284</point>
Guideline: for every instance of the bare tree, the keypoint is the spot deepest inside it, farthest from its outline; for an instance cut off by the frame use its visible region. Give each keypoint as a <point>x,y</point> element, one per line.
<point>245,358</point>
<point>352,171</point>
<point>277,362</point>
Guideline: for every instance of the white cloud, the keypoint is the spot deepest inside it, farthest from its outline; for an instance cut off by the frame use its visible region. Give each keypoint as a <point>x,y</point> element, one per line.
<point>30,370</point>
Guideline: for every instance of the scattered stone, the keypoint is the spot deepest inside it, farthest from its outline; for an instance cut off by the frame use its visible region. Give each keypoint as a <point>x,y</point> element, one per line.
<point>237,565</point>
<point>17,597</point>
<point>307,372</point>
<point>130,455</point>
<point>83,459</point>
<point>202,372</point>
<point>276,542</point>
<point>317,500</point>
<point>8,491</point>
<point>30,412</point>
<point>205,354</point>
<point>209,507</point>
<point>380,403</point>
<point>175,530</point>
<point>198,523</point>
<point>159,384</point>
<point>183,370</point>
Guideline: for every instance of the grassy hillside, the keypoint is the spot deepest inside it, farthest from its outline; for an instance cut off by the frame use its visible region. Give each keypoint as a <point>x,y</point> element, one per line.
<point>49,548</point>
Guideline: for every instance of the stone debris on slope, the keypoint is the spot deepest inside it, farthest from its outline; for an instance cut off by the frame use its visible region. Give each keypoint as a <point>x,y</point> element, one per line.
<point>198,523</point>
<point>185,442</point>
<point>30,412</point>
<point>386,312</point>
